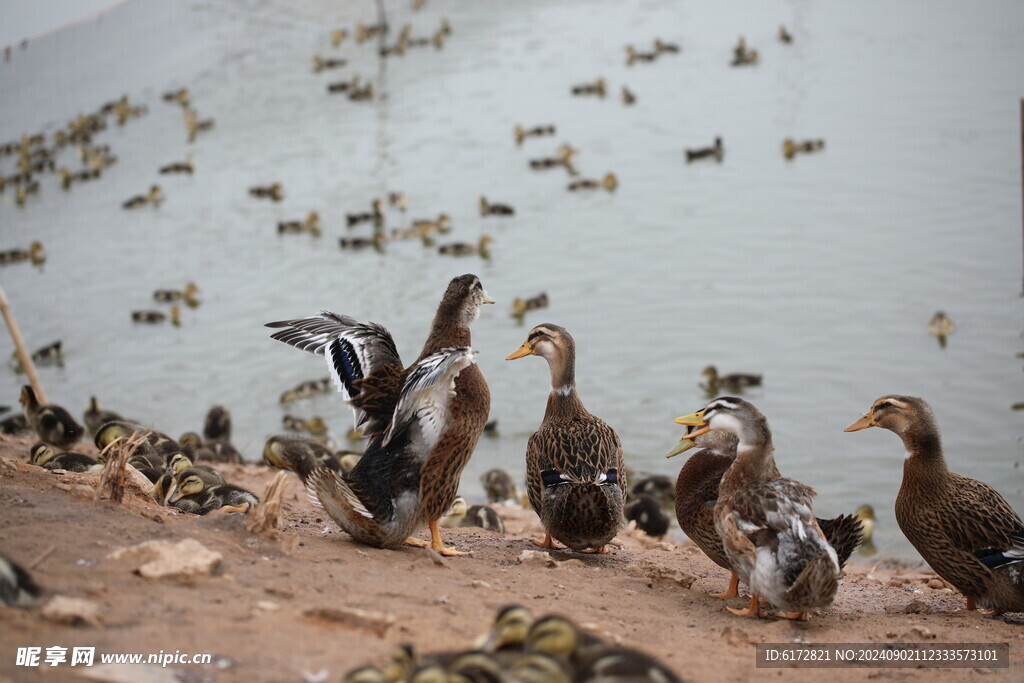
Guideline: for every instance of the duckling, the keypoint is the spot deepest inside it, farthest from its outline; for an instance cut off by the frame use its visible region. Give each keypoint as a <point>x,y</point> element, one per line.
<point>337,36</point>
<point>648,515</point>
<point>633,56</point>
<point>192,445</point>
<point>662,47</point>
<point>535,132</point>
<point>790,148</point>
<point>320,63</point>
<point>716,152</point>
<point>563,157</point>
<point>154,197</point>
<point>963,528</point>
<point>628,98</point>
<point>169,295</point>
<point>17,588</point>
<point>656,486</point>
<point>737,381</point>
<point>365,32</point>
<point>218,424</point>
<point>46,355</point>
<point>866,515</point>
<point>307,389</point>
<point>521,306</point>
<point>221,450</point>
<point>741,56</point>
<point>488,209</point>
<point>574,459</point>
<point>194,125</point>
<point>609,183</point>
<point>491,429</point>
<point>771,538</point>
<point>188,166</point>
<point>52,423</point>
<point>348,460</point>
<point>180,96</point>
<point>377,242</point>
<point>398,200</point>
<point>274,192</point>
<point>196,491</point>
<point>152,317</point>
<point>35,253</point>
<point>24,191</point>
<point>344,86</point>
<point>154,449</point>
<point>15,425</point>
<point>462,515</point>
<point>595,88</point>
<point>96,418</point>
<point>46,457</point>
<point>292,423</point>
<point>362,94</point>
<point>442,224</point>
<point>784,36</point>
<point>941,326</point>
<point>510,630</point>
<point>463,249</point>
<point>376,215</point>
<point>499,486</point>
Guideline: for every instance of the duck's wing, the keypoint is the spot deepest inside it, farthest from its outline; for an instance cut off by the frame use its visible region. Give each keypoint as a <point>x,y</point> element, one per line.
<point>362,359</point>
<point>426,395</point>
<point>581,450</point>
<point>984,523</point>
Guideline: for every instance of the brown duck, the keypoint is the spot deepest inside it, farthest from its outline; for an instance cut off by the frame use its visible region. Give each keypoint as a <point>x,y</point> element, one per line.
<point>574,466</point>
<point>962,527</point>
<point>422,421</point>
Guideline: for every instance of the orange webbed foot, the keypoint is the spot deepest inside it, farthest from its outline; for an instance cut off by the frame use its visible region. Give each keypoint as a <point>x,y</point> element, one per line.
<point>548,543</point>
<point>732,591</point>
<point>752,610</point>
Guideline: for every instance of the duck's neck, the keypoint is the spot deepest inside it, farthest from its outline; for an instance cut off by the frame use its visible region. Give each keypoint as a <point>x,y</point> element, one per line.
<point>446,331</point>
<point>754,461</point>
<point>924,456</point>
<point>563,399</point>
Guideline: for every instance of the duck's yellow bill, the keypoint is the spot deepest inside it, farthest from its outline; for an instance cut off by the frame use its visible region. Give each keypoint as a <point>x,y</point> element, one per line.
<point>523,350</point>
<point>863,423</point>
<point>488,299</point>
<point>694,420</point>
<point>684,445</point>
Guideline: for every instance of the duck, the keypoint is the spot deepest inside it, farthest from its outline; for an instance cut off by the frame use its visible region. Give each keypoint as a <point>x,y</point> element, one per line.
<point>661,47</point>
<point>95,417</point>
<point>299,454</point>
<point>322,63</point>
<point>343,86</point>
<point>194,125</point>
<point>221,450</point>
<point>180,96</point>
<point>716,152</point>
<point>46,457</point>
<point>628,98</point>
<point>696,493</point>
<point>610,182</point>
<point>785,36</point>
<point>217,425</point>
<point>273,192</point>
<point>188,294</point>
<point>746,58</point>
<point>398,200</point>
<point>521,306</point>
<point>362,94</point>
<point>632,55</point>
<point>866,515</point>
<point>193,490</point>
<point>772,540</point>
<point>465,249</point>
<point>574,460</point>
<point>376,215</point>
<point>522,133</point>
<point>156,447</point>
<point>657,486</point>
<point>442,224</point>
<point>188,166</point>
<point>307,389</point>
<point>963,528</point>
<point>941,326</point>
<point>595,88</point>
<point>337,36</point>
<point>423,422</point>
<point>17,588</point>
<point>51,354</point>
<point>499,486</point>
<point>462,514</point>
<point>365,32</point>
<point>192,444</point>
<point>377,242</point>
<point>35,252</point>
<point>15,424</point>
<point>52,423</point>
<point>154,197</point>
<point>647,514</point>
<point>489,209</point>
<point>737,381</point>
<point>347,460</point>
<point>563,157</point>
<point>790,147</point>
<point>153,317</point>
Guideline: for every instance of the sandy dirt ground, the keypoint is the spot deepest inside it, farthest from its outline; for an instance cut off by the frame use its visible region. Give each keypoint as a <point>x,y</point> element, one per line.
<point>287,607</point>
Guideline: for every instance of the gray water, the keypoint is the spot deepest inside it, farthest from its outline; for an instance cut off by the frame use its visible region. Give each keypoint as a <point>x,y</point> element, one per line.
<point>821,272</point>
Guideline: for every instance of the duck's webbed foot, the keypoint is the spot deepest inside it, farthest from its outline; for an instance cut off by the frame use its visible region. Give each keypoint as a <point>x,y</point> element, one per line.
<point>752,610</point>
<point>732,591</point>
<point>548,543</point>
<point>437,546</point>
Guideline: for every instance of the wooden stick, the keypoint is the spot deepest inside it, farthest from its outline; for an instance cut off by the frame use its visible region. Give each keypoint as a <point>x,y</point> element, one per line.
<point>42,557</point>
<point>19,344</point>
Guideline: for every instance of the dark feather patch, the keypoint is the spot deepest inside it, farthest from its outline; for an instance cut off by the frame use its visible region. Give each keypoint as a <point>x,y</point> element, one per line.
<point>346,364</point>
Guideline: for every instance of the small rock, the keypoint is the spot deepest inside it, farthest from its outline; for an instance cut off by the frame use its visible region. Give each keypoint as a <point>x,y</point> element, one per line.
<point>182,560</point>
<point>917,607</point>
<point>936,584</point>
<point>920,632</point>
<point>267,605</point>
<point>477,583</point>
<point>534,558</point>
<point>377,623</point>
<point>574,563</point>
<point>896,583</point>
<point>72,611</point>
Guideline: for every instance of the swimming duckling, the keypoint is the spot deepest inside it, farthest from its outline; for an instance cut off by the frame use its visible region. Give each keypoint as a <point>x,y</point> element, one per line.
<point>343,86</point>
<point>489,209</point>
<point>362,94</point>
<point>377,242</point>
<point>17,589</point>
<point>46,355</point>
<point>609,183</point>
<point>633,56</point>
<point>398,200</point>
<point>716,151</point>
<point>745,57</point>
<point>307,389</point>
<point>442,224</point>
<point>521,306</point>
<point>194,125</point>
<point>461,514</point>
<point>499,486</point>
<point>96,418</point>
<point>274,192</point>
<point>790,148</point>
<point>46,457</point>
<point>153,317</point>
<point>193,490</point>
<point>52,423</point>
<point>595,88</point>
<point>188,295</point>
<point>941,326</point>
<point>563,157</point>
<point>661,47</point>
<point>535,132</point>
<point>735,382</point>
<point>337,36</point>
<point>784,36</point>
<point>311,224</point>
<point>648,515</point>
<point>154,197</point>
<point>365,32</point>
<point>180,96</point>
<point>376,215</point>
<point>187,166</point>
<point>320,63</point>
<point>24,191</point>
<point>35,253</point>
<point>464,249</point>
<point>628,98</point>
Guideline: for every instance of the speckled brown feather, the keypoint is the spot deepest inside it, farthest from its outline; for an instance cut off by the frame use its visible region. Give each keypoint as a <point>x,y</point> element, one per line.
<point>378,395</point>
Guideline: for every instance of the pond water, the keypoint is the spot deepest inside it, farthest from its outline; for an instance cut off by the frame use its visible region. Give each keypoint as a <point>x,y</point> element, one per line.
<point>821,272</point>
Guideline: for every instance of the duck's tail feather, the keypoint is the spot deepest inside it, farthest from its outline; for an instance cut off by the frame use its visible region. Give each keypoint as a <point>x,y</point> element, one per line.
<point>844,534</point>
<point>816,585</point>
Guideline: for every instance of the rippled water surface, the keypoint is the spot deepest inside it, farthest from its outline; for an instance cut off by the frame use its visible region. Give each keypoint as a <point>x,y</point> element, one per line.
<point>820,273</point>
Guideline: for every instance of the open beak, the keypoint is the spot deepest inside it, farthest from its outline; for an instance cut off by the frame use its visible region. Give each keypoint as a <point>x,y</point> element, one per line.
<point>694,420</point>
<point>684,445</point>
<point>488,299</point>
<point>523,350</point>
<point>863,423</point>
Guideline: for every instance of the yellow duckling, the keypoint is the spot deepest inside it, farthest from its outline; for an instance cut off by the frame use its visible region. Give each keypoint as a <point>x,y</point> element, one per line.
<point>274,192</point>
<point>534,132</point>
<point>595,88</point>
<point>337,36</point>
<point>628,98</point>
<point>490,209</point>
<point>464,249</point>
<point>321,63</point>
<point>153,317</point>
<point>188,295</point>
<point>609,183</point>
<point>790,147</point>
<point>941,326</point>
<point>35,253</point>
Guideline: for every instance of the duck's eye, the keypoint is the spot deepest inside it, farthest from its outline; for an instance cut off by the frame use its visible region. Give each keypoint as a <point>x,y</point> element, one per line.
<point>886,404</point>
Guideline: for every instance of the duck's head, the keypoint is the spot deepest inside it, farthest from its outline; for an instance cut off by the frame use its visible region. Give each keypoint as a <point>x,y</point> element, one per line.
<point>733,416</point>
<point>109,432</point>
<point>555,636</point>
<point>710,373</point>
<point>41,453</point>
<point>179,462</point>
<point>366,674</point>
<point>191,440</point>
<point>547,341</point>
<point>316,425</point>
<point>630,52</point>
<point>348,461</point>
<point>519,307</point>
<point>510,630</point>
<point>188,482</point>
<point>538,668</point>
<point>600,85</point>
<point>463,299</point>
<point>484,244</point>
<point>444,222</point>
<point>520,133</point>
<point>403,661</point>
<point>191,289</point>
<point>610,182</point>
<point>475,667</point>
<point>565,153</point>
<point>899,414</point>
<point>155,193</point>
<point>28,396</point>
<point>458,508</point>
<point>788,148</point>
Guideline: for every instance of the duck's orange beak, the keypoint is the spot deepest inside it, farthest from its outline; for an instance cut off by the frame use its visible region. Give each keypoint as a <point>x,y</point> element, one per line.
<point>524,350</point>
<point>694,420</point>
<point>864,422</point>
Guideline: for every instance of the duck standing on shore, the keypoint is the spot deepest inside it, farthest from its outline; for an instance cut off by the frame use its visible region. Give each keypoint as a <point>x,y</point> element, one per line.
<point>574,465</point>
<point>423,421</point>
